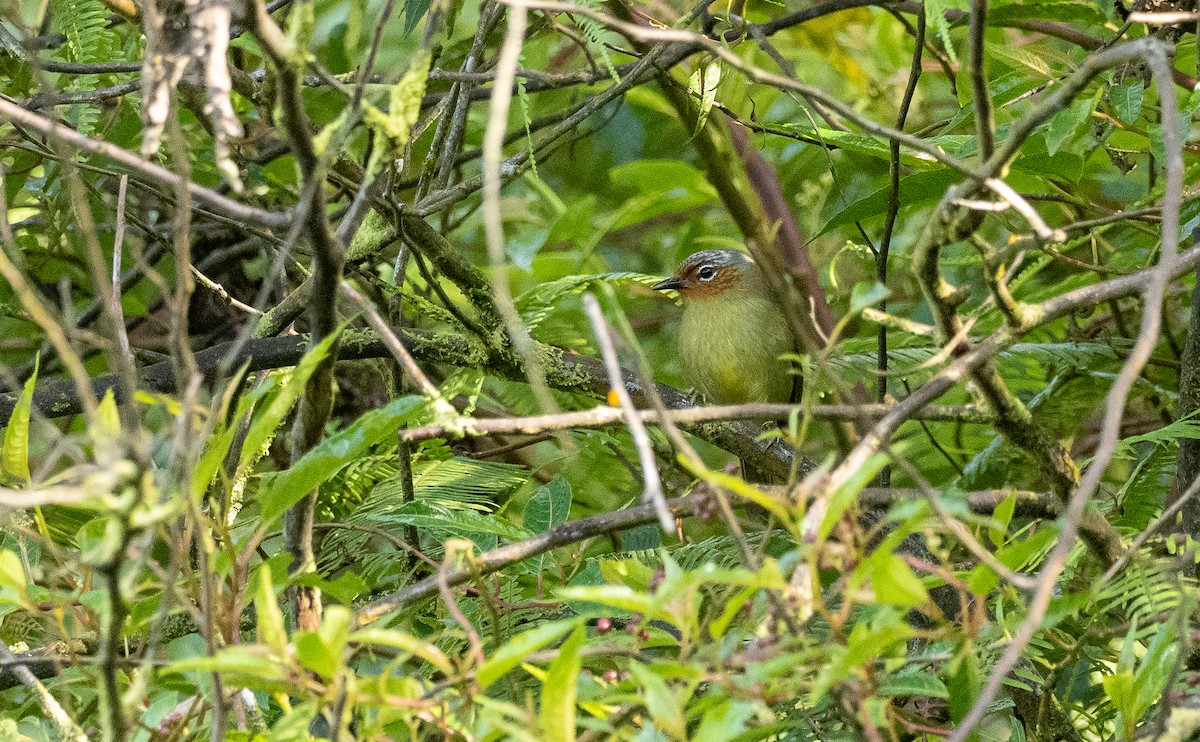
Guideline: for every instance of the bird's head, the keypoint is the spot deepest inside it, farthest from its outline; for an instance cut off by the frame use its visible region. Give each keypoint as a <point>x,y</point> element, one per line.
<point>709,273</point>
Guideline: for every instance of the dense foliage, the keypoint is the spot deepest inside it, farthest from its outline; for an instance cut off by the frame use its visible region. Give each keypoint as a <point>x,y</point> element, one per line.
<point>308,431</point>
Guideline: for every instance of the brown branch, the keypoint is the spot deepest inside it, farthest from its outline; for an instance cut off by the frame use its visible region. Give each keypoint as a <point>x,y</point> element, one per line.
<point>792,246</point>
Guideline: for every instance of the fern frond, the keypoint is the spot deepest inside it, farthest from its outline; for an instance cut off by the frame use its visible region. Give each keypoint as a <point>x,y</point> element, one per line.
<point>1145,590</point>
<point>84,23</point>
<point>538,303</point>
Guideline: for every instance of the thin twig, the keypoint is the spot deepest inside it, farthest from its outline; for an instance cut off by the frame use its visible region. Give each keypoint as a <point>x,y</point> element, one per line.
<point>652,482</point>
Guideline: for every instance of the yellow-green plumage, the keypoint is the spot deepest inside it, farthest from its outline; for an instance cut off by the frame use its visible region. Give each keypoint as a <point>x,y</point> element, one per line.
<point>733,332</point>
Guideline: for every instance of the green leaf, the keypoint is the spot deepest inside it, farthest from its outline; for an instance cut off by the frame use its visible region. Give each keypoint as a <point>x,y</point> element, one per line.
<point>264,424</point>
<point>248,665</point>
<point>523,246</point>
<point>866,294</point>
<point>1126,100</point>
<point>515,650</point>
<point>935,10</point>
<point>617,596</point>
<point>964,682</point>
<point>1062,166</point>
<point>726,719</point>
<point>106,428</point>
<point>355,11</point>
<point>915,190</point>
<point>1002,515</point>
<point>15,460</point>
<point>538,303</point>
<point>894,582</point>
<point>344,588</point>
<point>12,574</point>
<point>549,506</point>
<point>840,500</point>
<point>335,629</point>
<point>868,640</point>
<point>223,435</point>
<point>316,655</point>
<point>557,717</point>
<point>267,615</point>
<point>1183,122</point>
<point>1015,555</point>
<point>290,486</point>
<point>703,85</point>
<point>916,684</point>
<point>1121,690</point>
<point>878,147</point>
<point>464,523</point>
<point>733,606</point>
<point>1017,13</point>
<point>414,10</point>
<point>660,701</point>
<point>406,643</point>
<point>663,187</point>
<point>1066,125</point>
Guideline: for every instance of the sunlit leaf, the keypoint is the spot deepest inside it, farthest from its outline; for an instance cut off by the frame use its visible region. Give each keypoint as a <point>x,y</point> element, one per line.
<point>15,461</point>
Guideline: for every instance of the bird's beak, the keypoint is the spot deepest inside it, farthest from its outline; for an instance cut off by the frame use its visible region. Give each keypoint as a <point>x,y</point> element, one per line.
<point>671,283</point>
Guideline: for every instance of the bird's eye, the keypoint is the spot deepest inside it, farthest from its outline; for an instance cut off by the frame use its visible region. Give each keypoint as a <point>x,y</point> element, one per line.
<point>707,273</point>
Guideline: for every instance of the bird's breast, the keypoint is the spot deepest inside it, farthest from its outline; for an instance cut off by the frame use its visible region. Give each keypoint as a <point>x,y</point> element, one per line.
<point>730,350</point>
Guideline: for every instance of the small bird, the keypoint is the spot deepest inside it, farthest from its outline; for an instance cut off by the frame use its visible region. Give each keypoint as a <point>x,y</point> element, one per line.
<point>733,331</point>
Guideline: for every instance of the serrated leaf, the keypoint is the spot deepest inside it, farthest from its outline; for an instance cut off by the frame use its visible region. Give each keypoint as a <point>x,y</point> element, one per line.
<point>464,523</point>
<point>1126,100</point>
<point>1066,125</point>
<point>935,10</point>
<point>414,11</point>
<point>539,302</point>
<point>549,506</point>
